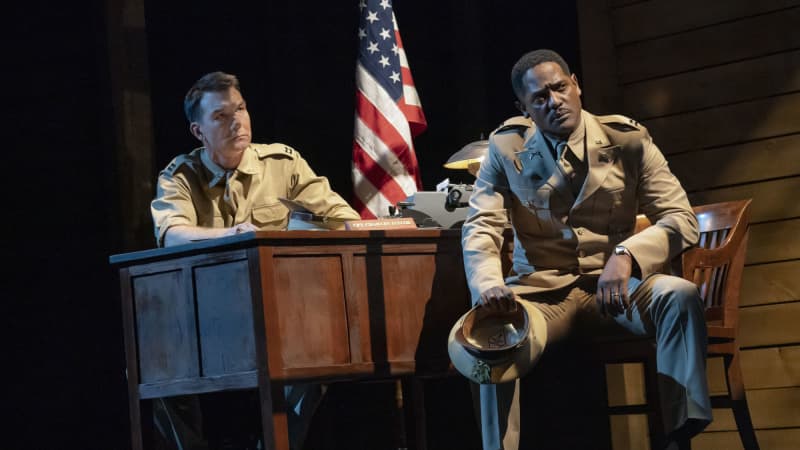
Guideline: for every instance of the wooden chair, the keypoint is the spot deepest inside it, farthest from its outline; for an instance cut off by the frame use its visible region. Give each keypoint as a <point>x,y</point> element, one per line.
<point>715,266</point>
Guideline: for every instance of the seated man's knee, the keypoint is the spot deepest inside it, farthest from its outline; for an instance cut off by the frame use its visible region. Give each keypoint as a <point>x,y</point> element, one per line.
<point>679,296</point>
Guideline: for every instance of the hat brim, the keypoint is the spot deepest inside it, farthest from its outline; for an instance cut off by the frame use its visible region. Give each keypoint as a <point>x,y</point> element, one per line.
<point>511,364</point>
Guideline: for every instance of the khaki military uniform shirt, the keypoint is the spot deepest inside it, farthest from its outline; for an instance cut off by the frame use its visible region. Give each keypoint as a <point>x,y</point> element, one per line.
<point>193,190</point>
<point>559,235</point>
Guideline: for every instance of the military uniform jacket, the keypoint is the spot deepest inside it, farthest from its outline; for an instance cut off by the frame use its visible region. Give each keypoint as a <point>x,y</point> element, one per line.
<point>193,190</point>
<point>560,236</point>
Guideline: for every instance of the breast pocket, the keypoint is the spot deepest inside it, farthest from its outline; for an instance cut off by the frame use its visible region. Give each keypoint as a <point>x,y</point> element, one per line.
<point>270,216</point>
<point>614,207</point>
<point>537,201</point>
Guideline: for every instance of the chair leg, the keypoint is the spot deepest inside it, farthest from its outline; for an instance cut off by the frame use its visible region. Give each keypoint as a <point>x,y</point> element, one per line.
<point>655,419</point>
<point>741,412</point>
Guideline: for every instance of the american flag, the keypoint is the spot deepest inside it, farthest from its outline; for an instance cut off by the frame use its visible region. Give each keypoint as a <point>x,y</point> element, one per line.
<point>388,115</point>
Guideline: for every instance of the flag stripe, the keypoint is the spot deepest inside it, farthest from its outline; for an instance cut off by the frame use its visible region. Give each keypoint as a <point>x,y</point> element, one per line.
<point>383,105</point>
<point>359,206</point>
<point>366,141</point>
<point>373,201</point>
<point>386,133</point>
<point>373,172</point>
<point>388,115</point>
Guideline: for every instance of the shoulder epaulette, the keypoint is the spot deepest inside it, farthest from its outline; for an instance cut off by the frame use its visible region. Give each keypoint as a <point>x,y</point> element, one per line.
<point>178,161</point>
<point>518,124</point>
<point>620,123</point>
<point>274,150</point>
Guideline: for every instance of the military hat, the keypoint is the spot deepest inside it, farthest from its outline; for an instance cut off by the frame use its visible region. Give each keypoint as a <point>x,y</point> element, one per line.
<point>497,347</point>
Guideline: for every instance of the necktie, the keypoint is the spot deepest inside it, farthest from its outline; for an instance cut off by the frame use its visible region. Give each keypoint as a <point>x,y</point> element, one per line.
<point>574,169</point>
<point>560,147</point>
<point>231,196</point>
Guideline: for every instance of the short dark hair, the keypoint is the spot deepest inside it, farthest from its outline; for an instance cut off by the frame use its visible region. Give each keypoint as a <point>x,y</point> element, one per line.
<point>530,60</point>
<point>210,82</point>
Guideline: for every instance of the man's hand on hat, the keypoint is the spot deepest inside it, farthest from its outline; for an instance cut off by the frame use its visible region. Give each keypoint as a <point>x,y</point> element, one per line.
<point>612,286</point>
<point>499,298</point>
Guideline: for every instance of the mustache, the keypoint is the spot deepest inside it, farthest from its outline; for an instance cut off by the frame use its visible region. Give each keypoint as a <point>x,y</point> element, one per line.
<point>556,113</point>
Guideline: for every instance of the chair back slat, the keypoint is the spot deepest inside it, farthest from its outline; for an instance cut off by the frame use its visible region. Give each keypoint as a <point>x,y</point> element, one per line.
<point>712,284</point>
<point>716,265</point>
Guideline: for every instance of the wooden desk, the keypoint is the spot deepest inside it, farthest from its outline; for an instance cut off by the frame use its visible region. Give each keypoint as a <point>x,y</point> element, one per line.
<point>259,310</point>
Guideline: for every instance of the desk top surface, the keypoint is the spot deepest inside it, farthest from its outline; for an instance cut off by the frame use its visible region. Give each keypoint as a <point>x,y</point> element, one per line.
<point>280,238</point>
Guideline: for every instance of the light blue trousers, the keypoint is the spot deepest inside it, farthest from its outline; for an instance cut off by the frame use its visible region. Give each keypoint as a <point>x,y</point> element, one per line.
<point>663,306</point>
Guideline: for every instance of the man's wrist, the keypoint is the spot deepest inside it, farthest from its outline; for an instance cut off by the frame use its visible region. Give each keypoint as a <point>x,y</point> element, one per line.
<point>622,250</point>
<point>636,271</point>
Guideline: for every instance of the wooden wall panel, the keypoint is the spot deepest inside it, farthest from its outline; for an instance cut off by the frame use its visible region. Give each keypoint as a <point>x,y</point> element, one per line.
<point>128,86</point>
<point>625,384</point>
<point>772,200</point>
<point>727,125</point>
<point>717,83</point>
<point>635,22</point>
<point>770,408</point>
<point>771,283</point>
<point>766,159</point>
<point>774,241</point>
<point>599,72</point>
<point>731,41</point>
<point>629,432</point>
<point>617,3</point>
<point>712,86</point>
<point>762,368</point>
<point>769,325</point>
<point>785,439</point>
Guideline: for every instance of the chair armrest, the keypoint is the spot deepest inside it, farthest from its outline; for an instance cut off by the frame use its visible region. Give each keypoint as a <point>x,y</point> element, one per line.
<point>713,257</point>
<point>705,257</point>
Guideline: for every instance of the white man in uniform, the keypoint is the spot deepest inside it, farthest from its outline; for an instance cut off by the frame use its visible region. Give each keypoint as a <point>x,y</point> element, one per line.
<point>231,185</point>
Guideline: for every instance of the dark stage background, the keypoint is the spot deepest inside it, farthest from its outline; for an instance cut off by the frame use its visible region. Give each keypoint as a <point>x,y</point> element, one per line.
<point>64,356</point>
<point>296,66</point>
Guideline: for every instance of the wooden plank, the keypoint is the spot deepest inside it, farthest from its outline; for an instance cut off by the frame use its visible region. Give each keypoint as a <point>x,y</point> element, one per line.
<point>704,47</point>
<point>772,200</point>
<point>225,318</point>
<point>598,58</point>
<point>774,241</point>
<point>134,148</point>
<point>629,432</point>
<point>312,319</point>
<point>727,125</point>
<point>769,408</point>
<point>762,368</point>
<point>165,327</point>
<point>725,84</point>
<point>775,367</point>
<point>770,283</point>
<point>625,384</point>
<point>199,385</point>
<point>736,164</point>
<point>635,22</point>
<point>785,439</point>
<point>619,3</point>
<point>768,325</point>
